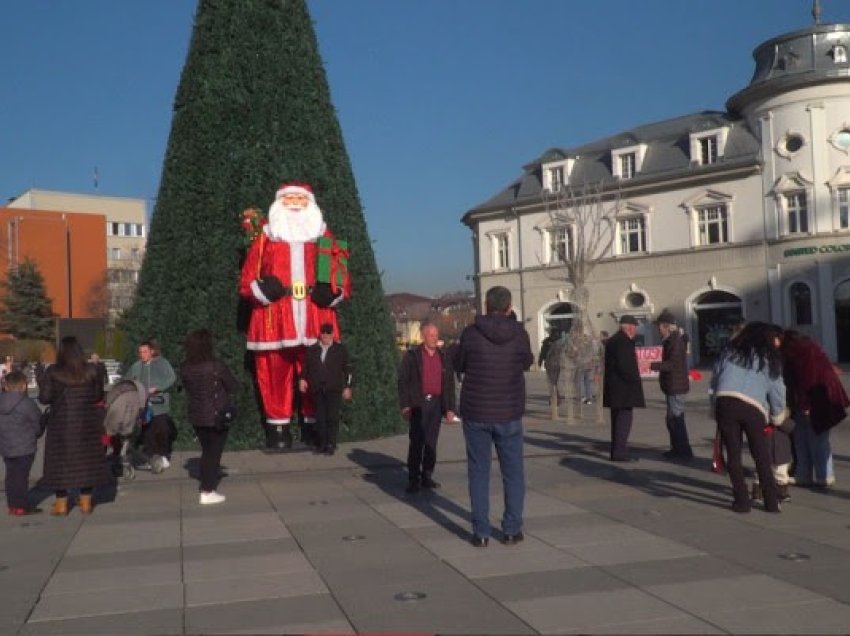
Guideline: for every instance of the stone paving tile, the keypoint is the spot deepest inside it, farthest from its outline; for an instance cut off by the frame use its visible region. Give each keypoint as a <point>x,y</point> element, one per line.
<point>317,536</point>
<point>118,601</point>
<point>213,551</point>
<point>583,535</point>
<point>813,617</point>
<point>334,510</point>
<point>590,611</point>
<point>677,625</point>
<point>168,621</point>
<point>254,587</point>
<point>232,528</point>
<point>512,560</point>
<point>705,598</point>
<point>119,537</point>
<point>631,550</point>
<point>245,566</point>
<point>275,616</point>
<point>530,585</point>
<point>117,577</point>
<point>685,569</point>
<point>446,545</point>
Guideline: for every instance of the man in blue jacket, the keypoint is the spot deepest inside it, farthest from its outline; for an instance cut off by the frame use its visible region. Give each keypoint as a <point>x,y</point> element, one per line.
<point>493,354</point>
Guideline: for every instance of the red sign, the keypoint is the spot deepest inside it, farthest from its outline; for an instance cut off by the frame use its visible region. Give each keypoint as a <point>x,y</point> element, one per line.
<point>645,357</point>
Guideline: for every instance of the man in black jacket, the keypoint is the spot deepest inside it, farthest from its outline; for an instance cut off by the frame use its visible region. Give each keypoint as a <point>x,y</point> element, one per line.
<point>426,392</point>
<point>327,375</point>
<point>493,355</point>
<point>623,389</point>
<point>675,383</point>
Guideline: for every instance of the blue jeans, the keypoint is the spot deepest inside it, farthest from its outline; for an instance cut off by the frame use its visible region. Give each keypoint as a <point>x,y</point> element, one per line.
<point>584,383</point>
<point>679,442</point>
<point>813,452</point>
<point>480,438</point>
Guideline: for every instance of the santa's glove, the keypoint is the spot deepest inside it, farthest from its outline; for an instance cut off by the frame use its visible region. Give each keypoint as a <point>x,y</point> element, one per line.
<point>323,296</point>
<point>271,288</point>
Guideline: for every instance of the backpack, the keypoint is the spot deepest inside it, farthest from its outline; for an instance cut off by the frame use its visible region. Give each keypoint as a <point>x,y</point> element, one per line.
<point>125,404</point>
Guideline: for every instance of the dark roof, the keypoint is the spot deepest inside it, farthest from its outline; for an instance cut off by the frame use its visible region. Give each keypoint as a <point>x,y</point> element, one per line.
<point>667,155</point>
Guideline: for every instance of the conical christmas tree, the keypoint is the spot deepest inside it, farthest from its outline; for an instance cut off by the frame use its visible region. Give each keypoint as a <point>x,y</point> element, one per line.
<point>253,110</point>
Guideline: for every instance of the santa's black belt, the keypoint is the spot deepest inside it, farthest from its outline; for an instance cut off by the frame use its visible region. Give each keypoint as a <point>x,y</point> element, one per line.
<point>291,291</point>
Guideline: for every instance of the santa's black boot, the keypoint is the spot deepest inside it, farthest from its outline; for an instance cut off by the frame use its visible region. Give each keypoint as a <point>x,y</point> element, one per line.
<point>285,437</point>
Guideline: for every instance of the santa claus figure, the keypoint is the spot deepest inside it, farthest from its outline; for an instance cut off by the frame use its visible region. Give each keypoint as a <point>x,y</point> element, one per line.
<point>294,276</point>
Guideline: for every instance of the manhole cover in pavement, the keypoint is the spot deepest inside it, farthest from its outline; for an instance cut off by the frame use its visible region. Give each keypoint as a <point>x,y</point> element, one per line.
<point>354,537</point>
<point>795,556</point>
<point>410,596</point>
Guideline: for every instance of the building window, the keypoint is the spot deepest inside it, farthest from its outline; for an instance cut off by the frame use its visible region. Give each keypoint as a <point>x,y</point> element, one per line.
<point>556,178</point>
<point>560,245</point>
<point>843,196</point>
<point>115,253</point>
<point>798,213</point>
<point>800,297</point>
<point>712,225</point>
<point>501,253</point>
<point>627,165</point>
<point>707,150</point>
<point>632,232</point>
<point>839,54</point>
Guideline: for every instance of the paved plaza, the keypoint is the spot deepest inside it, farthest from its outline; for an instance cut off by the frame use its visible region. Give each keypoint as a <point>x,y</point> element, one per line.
<point>314,544</point>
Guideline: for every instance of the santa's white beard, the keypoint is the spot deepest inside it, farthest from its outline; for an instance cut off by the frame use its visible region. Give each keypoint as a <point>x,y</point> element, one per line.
<point>295,224</point>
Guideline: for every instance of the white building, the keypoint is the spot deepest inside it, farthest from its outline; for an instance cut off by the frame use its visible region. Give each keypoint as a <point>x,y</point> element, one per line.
<point>126,235</point>
<point>719,215</point>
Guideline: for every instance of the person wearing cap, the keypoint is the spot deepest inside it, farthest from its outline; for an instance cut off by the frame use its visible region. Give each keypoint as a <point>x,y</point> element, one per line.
<point>426,393</point>
<point>675,383</point>
<point>327,376</point>
<point>623,388</point>
<point>288,303</point>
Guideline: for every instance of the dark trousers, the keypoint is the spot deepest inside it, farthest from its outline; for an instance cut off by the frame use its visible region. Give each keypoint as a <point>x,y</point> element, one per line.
<point>156,437</point>
<point>733,417</point>
<point>424,431</point>
<point>17,480</point>
<point>327,405</point>
<point>621,426</point>
<point>212,445</point>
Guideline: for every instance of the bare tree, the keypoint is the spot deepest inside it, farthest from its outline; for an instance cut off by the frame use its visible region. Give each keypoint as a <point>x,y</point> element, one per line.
<point>583,223</point>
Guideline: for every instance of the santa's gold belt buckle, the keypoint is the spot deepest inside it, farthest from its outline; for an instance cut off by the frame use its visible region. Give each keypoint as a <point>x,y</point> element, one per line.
<point>299,291</point>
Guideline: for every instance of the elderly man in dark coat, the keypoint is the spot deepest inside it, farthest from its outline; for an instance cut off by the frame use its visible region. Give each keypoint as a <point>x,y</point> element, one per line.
<point>623,388</point>
<point>675,383</point>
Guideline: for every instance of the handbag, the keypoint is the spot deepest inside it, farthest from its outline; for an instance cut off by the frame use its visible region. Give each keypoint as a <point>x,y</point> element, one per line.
<point>718,464</point>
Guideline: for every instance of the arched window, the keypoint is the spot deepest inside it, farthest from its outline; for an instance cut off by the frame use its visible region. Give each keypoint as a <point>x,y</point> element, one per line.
<point>800,299</point>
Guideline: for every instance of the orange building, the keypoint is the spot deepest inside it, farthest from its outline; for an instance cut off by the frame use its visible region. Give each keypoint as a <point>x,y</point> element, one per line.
<point>69,250</point>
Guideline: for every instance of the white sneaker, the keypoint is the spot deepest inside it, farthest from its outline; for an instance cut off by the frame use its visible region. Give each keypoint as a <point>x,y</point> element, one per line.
<point>165,463</point>
<point>208,498</point>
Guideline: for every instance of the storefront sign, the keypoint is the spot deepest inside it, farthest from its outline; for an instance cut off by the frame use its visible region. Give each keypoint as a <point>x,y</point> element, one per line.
<point>823,249</point>
<point>645,357</point>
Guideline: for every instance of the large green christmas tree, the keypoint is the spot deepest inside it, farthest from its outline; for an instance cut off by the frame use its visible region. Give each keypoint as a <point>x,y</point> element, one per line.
<point>253,110</point>
<point>25,310</point>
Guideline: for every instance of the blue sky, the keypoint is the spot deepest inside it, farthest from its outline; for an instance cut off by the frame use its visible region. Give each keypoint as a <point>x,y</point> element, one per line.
<point>441,101</point>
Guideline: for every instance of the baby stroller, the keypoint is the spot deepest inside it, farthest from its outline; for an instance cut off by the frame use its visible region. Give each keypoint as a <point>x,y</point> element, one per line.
<point>125,413</point>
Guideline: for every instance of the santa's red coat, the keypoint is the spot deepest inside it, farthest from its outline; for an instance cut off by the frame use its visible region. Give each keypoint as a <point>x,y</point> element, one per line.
<point>286,322</point>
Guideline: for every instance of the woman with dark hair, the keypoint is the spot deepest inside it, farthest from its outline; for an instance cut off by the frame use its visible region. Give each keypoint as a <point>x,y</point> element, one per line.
<point>73,452</point>
<point>748,393</point>
<point>209,385</point>
<point>818,402</point>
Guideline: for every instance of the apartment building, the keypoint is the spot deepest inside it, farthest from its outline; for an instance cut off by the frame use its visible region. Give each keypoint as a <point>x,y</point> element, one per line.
<point>124,225</point>
<point>716,216</point>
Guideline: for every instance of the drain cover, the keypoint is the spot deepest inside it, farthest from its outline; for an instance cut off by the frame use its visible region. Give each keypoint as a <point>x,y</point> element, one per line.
<point>795,556</point>
<point>354,537</point>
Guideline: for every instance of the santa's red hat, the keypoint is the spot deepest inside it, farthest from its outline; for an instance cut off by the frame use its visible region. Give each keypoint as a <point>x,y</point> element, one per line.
<point>296,187</point>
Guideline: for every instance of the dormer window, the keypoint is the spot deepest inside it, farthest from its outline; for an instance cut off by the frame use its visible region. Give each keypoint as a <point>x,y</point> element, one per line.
<point>707,147</point>
<point>556,178</point>
<point>626,162</point>
<point>556,174</point>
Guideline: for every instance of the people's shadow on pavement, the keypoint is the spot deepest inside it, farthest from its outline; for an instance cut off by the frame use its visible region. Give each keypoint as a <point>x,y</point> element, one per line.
<point>390,475</point>
<point>589,457</point>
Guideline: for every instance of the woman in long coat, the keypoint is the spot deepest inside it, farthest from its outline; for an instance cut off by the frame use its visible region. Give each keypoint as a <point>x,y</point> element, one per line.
<point>209,386</point>
<point>73,453</point>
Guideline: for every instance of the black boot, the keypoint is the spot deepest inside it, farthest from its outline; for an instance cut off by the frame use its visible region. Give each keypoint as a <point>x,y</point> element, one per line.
<point>285,442</point>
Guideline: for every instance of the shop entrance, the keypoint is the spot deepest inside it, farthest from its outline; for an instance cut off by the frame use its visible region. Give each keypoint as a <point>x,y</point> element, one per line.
<point>717,312</point>
<point>842,320</point>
